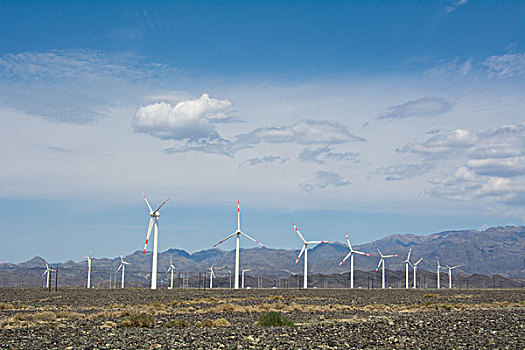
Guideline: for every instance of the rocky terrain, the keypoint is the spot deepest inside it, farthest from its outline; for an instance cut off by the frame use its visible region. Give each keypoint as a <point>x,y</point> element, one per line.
<point>197,319</point>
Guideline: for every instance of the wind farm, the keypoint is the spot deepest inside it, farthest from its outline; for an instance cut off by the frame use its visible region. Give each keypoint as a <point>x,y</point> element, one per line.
<point>378,148</point>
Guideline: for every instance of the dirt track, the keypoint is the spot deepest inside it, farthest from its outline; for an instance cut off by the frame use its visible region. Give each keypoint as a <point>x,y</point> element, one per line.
<point>79,318</point>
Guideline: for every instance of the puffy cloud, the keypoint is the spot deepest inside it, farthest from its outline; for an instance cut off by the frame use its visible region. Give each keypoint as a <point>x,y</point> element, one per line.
<point>188,120</point>
<point>442,144</point>
<point>264,160</point>
<point>423,107</point>
<point>507,65</point>
<point>321,154</point>
<point>325,179</point>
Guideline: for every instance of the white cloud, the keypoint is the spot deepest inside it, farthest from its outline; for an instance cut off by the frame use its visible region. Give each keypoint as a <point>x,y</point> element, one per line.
<point>454,5</point>
<point>507,65</point>
<point>264,160</point>
<point>321,154</point>
<point>423,107</point>
<point>403,171</point>
<point>188,120</point>
<point>303,132</point>
<point>442,144</point>
<point>325,179</point>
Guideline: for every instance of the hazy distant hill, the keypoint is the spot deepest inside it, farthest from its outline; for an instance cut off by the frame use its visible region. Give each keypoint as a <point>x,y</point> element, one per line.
<point>498,250</point>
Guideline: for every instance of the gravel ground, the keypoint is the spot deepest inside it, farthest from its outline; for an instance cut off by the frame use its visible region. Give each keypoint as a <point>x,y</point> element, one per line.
<point>333,319</point>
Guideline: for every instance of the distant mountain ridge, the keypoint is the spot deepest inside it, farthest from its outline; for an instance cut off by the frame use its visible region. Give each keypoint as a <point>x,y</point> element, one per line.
<point>499,250</point>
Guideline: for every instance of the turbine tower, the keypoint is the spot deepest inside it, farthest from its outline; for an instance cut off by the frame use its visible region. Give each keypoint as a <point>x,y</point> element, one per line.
<point>415,271</point>
<point>154,221</point>
<point>351,255</point>
<point>242,280</point>
<point>88,258</point>
<point>407,262</point>
<point>438,267</point>
<point>450,275</point>
<point>305,251</point>
<point>171,268</point>
<point>237,243</point>
<point>123,267</point>
<point>382,262</point>
<point>48,273</point>
<point>212,276</point>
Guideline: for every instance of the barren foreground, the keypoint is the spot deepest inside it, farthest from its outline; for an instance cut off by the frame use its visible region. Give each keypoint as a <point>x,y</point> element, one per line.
<point>333,319</point>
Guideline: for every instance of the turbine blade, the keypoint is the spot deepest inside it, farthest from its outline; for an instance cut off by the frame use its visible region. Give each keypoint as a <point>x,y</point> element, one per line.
<point>348,241</point>
<point>256,241</point>
<point>299,233</point>
<point>160,206</point>
<point>318,242</point>
<point>379,252</point>
<point>346,257</point>
<point>119,268</point>
<point>150,226</point>
<point>380,261</point>
<point>147,203</point>
<point>362,253</point>
<point>301,253</point>
<point>409,252</point>
<point>227,238</point>
<point>390,256</point>
<point>418,261</point>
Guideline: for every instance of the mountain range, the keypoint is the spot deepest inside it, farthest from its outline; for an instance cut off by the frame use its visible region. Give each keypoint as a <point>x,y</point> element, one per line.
<point>498,250</point>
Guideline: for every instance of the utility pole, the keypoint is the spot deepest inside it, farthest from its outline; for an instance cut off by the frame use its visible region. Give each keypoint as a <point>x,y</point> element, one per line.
<point>56,279</point>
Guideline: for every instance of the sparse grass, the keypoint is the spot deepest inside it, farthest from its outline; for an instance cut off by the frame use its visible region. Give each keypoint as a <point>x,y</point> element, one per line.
<point>143,319</point>
<point>108,325</point>
<point>274,319</point>
<point>6,306</point>
<point>45,316</point>
<point>70,315</point>
<point>431,295</point>
<point>177,323</point>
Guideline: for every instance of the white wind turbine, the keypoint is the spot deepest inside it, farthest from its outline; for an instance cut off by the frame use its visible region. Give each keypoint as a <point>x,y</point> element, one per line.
<point>88,258</point>
<point>237,243</point>
<point>212,276</point>
<point>154,221</point>
<point>438,267</point>
<point>48,273</point>
<point>414,265</point>
<point>123,267</point>
<point>305,251</point>
<point>171,269</point>
<point>382,262</point>
<point>351,255</point>
<point>450,274</point>
<point>407,263</point>
<point>242,280</point>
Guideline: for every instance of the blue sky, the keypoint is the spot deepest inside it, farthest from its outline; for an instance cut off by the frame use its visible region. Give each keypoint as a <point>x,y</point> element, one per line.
<point>374,117</point>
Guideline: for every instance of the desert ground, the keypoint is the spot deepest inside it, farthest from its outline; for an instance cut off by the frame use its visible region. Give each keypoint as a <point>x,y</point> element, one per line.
<point>34,318</point>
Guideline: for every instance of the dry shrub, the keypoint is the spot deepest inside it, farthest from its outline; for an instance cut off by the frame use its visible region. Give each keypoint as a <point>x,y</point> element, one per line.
<point>108,325</point>
<point>140,320</point>
<point>275,297</point>
<point>177,323</point>
<point>204,323</point>
<point>296,307</point>
<point>431,295</point>
<point>23,317</point>
<point>228,307</point>
<point>221,322</point>
<point>70,315</point>
<point>45,316</point>
<point>6,306</point>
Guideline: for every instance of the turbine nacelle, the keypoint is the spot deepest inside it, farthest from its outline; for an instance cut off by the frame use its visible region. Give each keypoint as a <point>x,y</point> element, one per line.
<point>154,214</point>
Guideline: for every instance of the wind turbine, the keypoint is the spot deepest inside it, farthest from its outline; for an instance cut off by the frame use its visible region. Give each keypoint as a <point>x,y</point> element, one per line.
<point>48,273</point>
<point>243,271</point>
<point>305,251</point>
<point>382,262</point>
<point>88,258</point>
<point>212,276</point>
<point>438,267</point>
<point>415,271</point>
<point>123,267</point>
<point>237,243</point>
<point>450,275</point>
<point>351,255</point>
<point>407,262</point>
<point>153,221</point>
<point>171,268</point>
